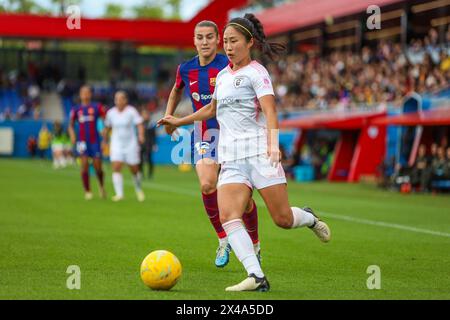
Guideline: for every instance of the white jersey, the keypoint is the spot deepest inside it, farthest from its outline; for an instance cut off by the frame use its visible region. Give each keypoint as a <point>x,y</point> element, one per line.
<point>123,125</point>
<point>243,128</point>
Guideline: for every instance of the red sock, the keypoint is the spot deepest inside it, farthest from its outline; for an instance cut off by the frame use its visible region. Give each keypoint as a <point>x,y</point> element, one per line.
<point>251,223</point>
<point>100,177</point>
<point>212,209</point>
<point>85,179</point>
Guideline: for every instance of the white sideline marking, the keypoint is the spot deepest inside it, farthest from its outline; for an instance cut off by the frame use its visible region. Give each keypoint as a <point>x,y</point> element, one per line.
<point>162,187</point>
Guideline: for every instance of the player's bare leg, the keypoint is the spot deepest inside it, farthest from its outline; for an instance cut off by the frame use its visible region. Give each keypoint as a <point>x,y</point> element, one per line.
<point>233,200</point>
<point>84,171</point>
<point>137,180</point>
<point>97,162</point>
<point>117,179</point>
<point>287,217</point>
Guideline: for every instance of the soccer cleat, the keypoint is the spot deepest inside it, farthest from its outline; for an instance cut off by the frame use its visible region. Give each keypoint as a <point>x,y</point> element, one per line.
<point>88,196</point>
<point>140,195</point>
<point>223,255</point>
<point>319,227</point>
<point>117,198</point>
<point>252,283</point>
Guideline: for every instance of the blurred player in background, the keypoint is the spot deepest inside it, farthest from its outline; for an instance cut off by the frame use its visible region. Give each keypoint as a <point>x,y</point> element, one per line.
<point>198,76</point>
<point>149,143</point>
<point>59,160</point>
<point>87,140</point>
<point>244,101</point>
<point>122,120</point>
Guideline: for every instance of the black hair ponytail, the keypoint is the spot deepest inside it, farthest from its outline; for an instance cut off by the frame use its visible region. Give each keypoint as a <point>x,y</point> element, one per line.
<point>269,49</point>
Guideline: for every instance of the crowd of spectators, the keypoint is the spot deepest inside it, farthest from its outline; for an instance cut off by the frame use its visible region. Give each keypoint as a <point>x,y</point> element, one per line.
<point>344,79</point>
<point>430,171</point>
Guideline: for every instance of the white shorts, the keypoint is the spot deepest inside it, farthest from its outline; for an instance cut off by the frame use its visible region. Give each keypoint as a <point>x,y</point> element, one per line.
<point>129,155</point>
<point>57,147</point>
<point>255,172</point>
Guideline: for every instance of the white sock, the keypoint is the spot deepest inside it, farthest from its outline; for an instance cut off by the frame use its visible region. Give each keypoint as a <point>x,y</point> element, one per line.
<point>256,247</point>
<point>302,218</point>
<point>242,246</point>
<point>223,241</point>
<point>137,178</point>
<point>118,183</point>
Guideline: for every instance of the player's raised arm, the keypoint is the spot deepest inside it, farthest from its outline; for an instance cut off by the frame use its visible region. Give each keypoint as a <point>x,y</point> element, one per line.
<point>205,113</point>
<point>174,99</point>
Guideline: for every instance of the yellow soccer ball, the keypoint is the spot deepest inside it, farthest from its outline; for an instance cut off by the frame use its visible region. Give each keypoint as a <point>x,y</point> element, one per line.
<point>160,270</point>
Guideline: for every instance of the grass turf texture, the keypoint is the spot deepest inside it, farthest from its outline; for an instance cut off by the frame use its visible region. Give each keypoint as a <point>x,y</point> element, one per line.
<point>46,225</point>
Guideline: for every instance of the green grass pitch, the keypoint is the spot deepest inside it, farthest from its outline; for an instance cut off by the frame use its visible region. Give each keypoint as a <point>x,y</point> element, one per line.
<point>46,225</point>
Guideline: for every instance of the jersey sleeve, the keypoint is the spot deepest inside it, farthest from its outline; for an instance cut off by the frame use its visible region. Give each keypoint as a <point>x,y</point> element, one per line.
<point>73,115</point>
<point>179,80</point>
<point>262,84</point>
<point>137,119</point>
<point>101,111</point>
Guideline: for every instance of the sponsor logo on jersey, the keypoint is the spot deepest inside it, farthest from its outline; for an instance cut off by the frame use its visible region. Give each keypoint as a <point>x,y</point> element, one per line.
<point>192,82</point>
<point>83,119</point>
<point>212,82</point>
<point>206,96</point>
<point>195,96</point>
<point>238,81</point>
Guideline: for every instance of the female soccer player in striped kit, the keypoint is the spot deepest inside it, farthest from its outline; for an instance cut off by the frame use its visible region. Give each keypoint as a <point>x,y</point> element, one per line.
<point>87,141</point>
<point>198,77</point>
<point>248,146</point>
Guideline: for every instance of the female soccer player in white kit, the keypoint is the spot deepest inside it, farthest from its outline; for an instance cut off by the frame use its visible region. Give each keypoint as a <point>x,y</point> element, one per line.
<point>248,146</point>
<point>123,119</point>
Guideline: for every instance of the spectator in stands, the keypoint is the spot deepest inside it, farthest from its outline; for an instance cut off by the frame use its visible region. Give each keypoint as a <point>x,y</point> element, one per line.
<point>44,140</point>
<point>438,165</point>
<point>447,165</point>
<point>420,172</point>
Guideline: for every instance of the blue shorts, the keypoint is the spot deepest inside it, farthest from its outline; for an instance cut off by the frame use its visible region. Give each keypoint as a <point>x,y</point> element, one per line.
<point>91,150</point>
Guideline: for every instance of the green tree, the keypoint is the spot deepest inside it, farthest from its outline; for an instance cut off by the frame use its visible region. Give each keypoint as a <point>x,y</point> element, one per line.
<point>63,4</point>
<point>149,9</point>
<point>113,10</point>
<point>175,6</point>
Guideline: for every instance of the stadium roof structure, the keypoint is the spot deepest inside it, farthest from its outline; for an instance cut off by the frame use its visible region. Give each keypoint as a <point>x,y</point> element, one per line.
<point>139,31</point>
<point>303,13</point>
<point>331,120</point>
<point>433,117</point>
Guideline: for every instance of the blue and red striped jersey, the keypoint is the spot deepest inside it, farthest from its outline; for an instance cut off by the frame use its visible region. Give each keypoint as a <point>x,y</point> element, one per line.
<point>87,117</point>
<point>200,82</point>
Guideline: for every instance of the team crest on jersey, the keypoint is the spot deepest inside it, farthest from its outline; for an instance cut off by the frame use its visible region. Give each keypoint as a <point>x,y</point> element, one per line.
<point>238,81</point>
<point>195,96</point>
<point>212,82</point>
<point>91,111</point>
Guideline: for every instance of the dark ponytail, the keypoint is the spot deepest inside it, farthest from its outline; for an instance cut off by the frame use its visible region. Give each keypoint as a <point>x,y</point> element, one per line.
<point>250,27</point>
